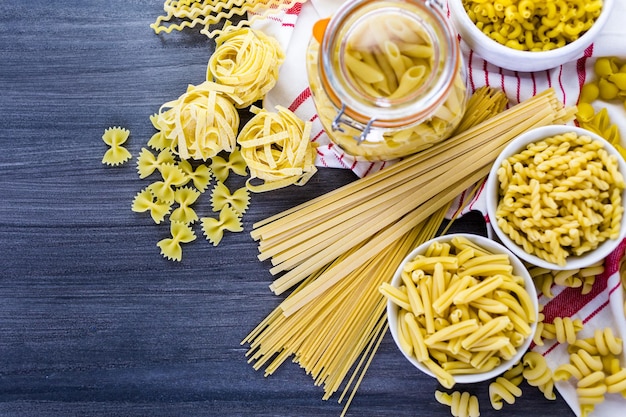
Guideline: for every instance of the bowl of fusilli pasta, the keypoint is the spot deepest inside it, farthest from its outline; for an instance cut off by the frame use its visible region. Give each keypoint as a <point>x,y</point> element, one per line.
<point>462,308</point>
<point>555,197</point>
<point>529,35</point>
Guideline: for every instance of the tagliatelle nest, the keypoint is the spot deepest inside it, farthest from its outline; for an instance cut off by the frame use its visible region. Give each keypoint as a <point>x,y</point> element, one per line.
<point>248,61</point>
<point>277,149</point>
<point>200,123</point>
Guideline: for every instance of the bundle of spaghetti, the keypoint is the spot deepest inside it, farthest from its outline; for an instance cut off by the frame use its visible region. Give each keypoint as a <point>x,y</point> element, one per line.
<point>347,322</point>
<point>207,14</point>
<point>391,201</point>
<point>329,336</point>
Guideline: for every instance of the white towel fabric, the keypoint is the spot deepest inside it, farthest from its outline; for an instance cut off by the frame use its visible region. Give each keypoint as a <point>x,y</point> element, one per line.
<point>604,306</point>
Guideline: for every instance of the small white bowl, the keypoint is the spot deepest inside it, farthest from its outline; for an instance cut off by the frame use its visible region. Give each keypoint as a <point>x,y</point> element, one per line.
<point>492,186</point>
<point>518,269</point>
<point>525,61</point>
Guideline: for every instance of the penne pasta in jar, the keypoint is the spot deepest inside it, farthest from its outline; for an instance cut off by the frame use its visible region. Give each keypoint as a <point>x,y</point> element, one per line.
<point>387,78</point>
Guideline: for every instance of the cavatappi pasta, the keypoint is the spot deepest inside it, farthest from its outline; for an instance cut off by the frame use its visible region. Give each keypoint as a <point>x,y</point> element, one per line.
<point>560,197</point>
<point>461,310</point>
<point>533,25</point>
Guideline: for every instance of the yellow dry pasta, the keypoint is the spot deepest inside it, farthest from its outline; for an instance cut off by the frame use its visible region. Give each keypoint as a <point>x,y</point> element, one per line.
<point>222,197</point>
<point>185,197</point>
<point>506,387</point>
<point>214,228</point>
<point>557,221</point>
<point>462,404</point>
<point>171,247</point>
<point>201,123</point>
<point>200,176</point>
<point>146,201</point>
<point>213,17</point>
<point>247,60</point>
<point>221,167</point>
<point>117,154</point>
<point>533,25</point>
<point>481,339</point>
<point>390,61</point>
<point>147,163</point>
<point>277,149</point>
<point>538,374</point>
<point>172,176</point>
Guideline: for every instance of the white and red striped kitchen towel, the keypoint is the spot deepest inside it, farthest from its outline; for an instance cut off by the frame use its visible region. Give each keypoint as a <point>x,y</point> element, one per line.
<point>604,306</point>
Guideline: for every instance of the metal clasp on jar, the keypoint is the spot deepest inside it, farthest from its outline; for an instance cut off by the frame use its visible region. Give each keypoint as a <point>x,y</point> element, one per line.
<point>339,119</point>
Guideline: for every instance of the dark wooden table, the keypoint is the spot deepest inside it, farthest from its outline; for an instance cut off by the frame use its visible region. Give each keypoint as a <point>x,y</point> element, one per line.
<point>93,321</point>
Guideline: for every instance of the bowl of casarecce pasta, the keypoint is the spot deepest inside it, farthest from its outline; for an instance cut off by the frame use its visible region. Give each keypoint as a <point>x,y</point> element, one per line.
<point>555,197</point>
<point>462,308</point>
<point>529,35</point>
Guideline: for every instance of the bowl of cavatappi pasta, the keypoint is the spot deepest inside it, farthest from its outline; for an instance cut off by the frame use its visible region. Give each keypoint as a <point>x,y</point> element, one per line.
<point>555,197</point>
<point>462,308</point>
<point>529,35</point>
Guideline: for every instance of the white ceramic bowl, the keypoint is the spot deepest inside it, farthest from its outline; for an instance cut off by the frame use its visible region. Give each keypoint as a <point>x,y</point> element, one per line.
<point>526,61</point>
<point>491,189</point>
<point>518,269</point>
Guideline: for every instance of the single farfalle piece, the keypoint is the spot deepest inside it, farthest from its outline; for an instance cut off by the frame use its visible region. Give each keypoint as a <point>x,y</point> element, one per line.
<point>172,176</point>
<point>171,247</point>
<point>185,197</point>
<point>247,60</point>
<point>115,137</point>
<point>277,149</point>
<point>201,176</point>
<point>221,167</point>
<point>146,201</point>
<point>222,197</point>
<point>201,123</point>
<point>158,141</point>
<point>214,228</point>
<point>147,163</point>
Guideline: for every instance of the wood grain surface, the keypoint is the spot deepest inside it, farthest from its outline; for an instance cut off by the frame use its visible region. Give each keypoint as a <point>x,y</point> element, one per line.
<point>93,320</point>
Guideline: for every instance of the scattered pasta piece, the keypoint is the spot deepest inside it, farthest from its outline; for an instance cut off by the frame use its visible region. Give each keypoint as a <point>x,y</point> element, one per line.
<point>146,201</point>
<point>582,278</point>
<point>214,228</point>
<point>248,61</point>
<point>538,374</point>
<point>609,85</point>
<point>185,197</point>
<point>506,387</point>
<point>462,404</point>
<point>221,168</point>
<point>115,137</point>
<point>172,176</point>
<point>147,163</point>
<point>200,123</point>
<point>277,149</point>
<point>221,197</point>
<point>171,247</point>
<point>201,176</point>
